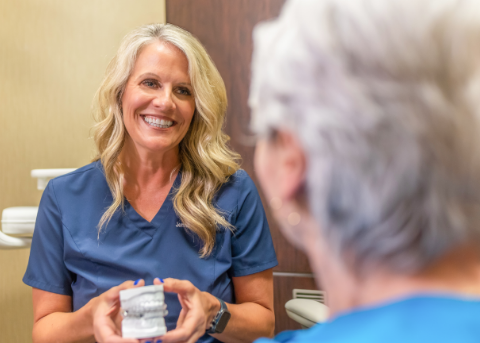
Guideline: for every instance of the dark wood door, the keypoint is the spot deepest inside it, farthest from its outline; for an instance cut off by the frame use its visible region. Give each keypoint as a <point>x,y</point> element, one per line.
<point>225,29</point>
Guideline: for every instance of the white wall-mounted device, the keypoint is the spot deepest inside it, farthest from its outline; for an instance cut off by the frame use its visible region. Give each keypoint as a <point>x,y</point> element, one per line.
<point>308,307</point>
<point>44,175</point>
<point>18,223</point>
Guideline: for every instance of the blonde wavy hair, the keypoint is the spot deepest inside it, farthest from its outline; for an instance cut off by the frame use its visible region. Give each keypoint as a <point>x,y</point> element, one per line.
<point>207,161</point>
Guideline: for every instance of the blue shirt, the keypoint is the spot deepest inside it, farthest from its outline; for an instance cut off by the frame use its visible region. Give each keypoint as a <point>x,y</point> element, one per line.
<point>421,319</point>
<point>67,257</point>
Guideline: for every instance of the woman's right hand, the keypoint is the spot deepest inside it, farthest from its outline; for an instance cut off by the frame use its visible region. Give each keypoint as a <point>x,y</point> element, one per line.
<point>107,319</point>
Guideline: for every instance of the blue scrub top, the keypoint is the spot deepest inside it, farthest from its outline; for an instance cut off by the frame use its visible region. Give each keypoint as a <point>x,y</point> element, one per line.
<point>419,319</point>
<point>67,257</point>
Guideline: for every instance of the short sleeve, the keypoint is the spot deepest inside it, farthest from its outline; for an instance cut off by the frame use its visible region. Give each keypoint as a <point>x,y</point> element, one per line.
<point>46,269</point>
<point>252,246</point>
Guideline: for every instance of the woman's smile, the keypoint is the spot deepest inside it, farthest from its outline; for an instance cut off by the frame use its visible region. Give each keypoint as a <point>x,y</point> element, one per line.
<point>156,122</point>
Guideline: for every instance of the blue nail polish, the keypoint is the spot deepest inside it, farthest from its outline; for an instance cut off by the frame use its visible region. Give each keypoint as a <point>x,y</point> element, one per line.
<point>159,341</point>
<point>136,283</point>
<point>148,342</point>
<point>161,280</point>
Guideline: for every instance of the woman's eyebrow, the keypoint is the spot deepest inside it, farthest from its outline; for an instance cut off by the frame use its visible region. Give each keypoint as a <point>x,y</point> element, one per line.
<point>150,74</point>
<point>185,84</point>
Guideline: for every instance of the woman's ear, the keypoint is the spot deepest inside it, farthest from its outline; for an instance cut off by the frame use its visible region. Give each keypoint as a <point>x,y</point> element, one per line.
<point>292,165</point>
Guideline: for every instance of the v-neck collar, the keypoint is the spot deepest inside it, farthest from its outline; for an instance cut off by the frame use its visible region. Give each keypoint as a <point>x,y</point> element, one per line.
<point>165,210</point>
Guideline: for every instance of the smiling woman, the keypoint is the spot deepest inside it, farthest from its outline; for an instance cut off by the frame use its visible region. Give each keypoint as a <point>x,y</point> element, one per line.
<point>206,160</point>
<point>177,207</point>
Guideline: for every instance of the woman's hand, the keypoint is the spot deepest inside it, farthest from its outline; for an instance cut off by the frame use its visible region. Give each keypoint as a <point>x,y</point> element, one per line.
<point>99,320</point>
<point>198,310</point>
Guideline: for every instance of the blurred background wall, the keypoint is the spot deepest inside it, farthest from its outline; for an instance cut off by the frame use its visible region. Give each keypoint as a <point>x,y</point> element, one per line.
<point>53,54</point>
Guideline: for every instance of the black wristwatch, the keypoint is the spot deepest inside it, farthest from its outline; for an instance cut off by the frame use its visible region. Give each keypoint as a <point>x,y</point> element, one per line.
<point>221,319</point>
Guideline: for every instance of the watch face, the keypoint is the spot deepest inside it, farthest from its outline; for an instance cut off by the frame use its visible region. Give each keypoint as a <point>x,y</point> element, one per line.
<point>222,322</point>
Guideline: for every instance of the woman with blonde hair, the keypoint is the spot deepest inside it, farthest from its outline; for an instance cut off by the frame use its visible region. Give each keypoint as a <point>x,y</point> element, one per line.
<point>163,202</point>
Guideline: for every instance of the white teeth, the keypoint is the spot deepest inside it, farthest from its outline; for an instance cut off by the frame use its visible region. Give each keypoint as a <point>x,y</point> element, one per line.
<point>156,122</point>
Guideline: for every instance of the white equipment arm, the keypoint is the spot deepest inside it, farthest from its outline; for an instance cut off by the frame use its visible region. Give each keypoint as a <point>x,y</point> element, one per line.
<point>44,175</point>
<point>8,242</point>
<point>21,220</point>
<point>306,312</point>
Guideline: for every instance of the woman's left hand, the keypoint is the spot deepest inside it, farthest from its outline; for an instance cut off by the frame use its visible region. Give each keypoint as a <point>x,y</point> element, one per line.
<point>198,310</point>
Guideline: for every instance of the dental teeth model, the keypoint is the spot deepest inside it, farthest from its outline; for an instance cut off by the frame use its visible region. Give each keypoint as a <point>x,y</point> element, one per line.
<point>143,312</point>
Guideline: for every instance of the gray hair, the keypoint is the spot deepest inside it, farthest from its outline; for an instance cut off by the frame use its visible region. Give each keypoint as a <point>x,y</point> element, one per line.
<point>384,96</point>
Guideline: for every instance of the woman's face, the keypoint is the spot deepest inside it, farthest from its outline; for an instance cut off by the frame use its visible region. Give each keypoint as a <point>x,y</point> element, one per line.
<point>158,102</point>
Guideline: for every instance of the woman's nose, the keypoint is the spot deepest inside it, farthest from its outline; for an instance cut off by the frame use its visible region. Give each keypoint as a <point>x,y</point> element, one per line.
<point>164,100</point>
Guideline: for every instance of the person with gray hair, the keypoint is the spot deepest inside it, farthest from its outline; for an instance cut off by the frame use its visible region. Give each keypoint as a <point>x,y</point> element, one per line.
<point>368,117</point>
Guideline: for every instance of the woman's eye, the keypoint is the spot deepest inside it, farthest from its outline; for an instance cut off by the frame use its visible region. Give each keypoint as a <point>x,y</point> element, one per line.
<point>184,91</point>
<point>149,83</point>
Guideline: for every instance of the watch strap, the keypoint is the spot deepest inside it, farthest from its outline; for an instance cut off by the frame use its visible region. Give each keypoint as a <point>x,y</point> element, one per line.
<point>223,314</point>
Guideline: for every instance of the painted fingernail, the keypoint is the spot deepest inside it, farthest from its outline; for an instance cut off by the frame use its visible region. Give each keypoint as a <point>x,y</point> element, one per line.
<point>136,283</point>
<point>161,280</point>
<point>157,278</point>
<point>148,342</point>
<point>159,341</point>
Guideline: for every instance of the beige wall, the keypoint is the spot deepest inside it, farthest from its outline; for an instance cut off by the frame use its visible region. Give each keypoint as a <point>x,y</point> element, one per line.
<point>52,57</point>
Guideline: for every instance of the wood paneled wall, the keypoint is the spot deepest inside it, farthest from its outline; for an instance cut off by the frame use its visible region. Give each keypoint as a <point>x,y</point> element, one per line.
<point>53,55</point>
<point>225,29</point>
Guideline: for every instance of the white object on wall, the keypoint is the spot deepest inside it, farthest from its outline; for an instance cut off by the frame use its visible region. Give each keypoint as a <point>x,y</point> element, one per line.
<point>306,312</point>
<point>8,242</point>
<point>44,175</point>
<point>17,221</point>
<point>21,220</point>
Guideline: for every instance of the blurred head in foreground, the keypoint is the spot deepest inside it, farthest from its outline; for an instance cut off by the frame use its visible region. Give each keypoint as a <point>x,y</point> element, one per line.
<point>368,113</point>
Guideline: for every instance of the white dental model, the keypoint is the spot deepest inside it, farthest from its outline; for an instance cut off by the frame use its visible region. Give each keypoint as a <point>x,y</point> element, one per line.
<point>143,312</point>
